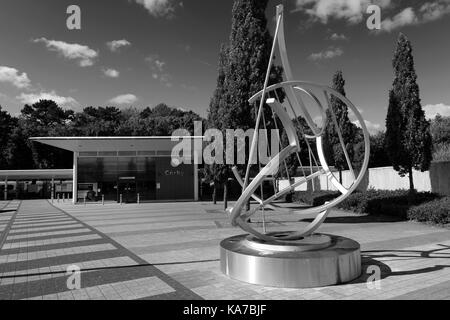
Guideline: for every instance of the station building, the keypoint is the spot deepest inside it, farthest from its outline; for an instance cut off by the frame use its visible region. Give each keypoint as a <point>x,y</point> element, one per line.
<point>127,169</point>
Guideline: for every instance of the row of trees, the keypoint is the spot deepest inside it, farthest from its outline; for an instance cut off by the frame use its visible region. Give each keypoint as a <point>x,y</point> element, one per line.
<point>406,145</point>
<point>241,72</point>
<point>46,119</point>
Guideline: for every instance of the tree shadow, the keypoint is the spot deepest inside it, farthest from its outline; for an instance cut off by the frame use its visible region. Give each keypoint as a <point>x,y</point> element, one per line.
<point>5,211</point>
<point>358,219</point>
<point>369,259</point>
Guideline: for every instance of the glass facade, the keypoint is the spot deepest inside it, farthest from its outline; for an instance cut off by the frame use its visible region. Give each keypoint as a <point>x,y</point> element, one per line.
<point>37,189</point>
<point>128,176</point>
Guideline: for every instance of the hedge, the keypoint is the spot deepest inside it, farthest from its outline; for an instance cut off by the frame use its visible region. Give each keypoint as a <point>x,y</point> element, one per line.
<point>316,198</point>
<point>387,202</point>
<point>436,211</point>
<point>419,206</point>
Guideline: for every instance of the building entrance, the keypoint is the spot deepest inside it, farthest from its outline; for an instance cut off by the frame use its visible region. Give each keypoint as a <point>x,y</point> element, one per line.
<point>127,189</point>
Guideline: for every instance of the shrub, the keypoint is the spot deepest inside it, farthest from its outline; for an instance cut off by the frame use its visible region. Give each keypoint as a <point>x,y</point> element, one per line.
<point>436,211</point>
<point>419,206</point>
<point>356,202</point>
<point>387,202</point>
<point>316,198</point>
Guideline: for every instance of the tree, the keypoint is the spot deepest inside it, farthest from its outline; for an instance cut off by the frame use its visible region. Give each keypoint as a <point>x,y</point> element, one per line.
<point>46,119</point>
<point>217,173</point>
<point>334,152</point>
<point>408,139</point>
<point>440,131</point>
<point>378,155</point>
<point>6,127</point>
<point>20,154</point>
<point>243,75</point>
<point>101,121</point>
<point>46,113</point>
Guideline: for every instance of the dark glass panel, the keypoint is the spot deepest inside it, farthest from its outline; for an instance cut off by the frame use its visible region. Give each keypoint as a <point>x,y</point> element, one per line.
<point>127,166</point>
<point>87,170</point>
<point>108,167</point>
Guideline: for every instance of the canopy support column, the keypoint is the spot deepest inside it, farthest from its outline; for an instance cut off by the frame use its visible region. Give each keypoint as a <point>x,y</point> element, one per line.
<point>52,196</point>
<point>196,181</point>
<point>75,178</point>
<point>5,194</point>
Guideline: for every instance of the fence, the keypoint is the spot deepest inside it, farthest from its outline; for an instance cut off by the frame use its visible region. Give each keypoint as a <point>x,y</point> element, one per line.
<point>436,180</point>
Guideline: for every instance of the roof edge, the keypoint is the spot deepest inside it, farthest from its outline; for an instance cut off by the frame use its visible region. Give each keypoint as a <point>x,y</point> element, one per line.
<point>117,138</point>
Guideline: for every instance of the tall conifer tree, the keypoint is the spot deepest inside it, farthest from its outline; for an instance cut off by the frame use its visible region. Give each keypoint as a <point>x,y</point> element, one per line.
<point>408,140</point>
<point>332,145</point>
<point>217,173</point>
<point>247,58</point>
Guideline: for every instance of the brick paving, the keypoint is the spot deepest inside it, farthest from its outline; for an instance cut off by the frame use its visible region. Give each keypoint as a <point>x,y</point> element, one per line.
<point>40,242</point>
<point>171,251</point>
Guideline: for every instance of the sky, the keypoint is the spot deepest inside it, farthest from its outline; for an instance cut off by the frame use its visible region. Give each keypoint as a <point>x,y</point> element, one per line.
<point>143,52</point>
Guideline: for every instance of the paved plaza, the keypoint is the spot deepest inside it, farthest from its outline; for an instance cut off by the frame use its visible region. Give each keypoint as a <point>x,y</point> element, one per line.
<point>171,251</point>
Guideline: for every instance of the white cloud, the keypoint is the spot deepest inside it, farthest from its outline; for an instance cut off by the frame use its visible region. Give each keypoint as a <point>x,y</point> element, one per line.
<point>156,63</point>
<point>158,68</point>
<point>435,10</point>
<point>124,99</point>
<point>354,11</point>
<point>373,128</point>
<point>71,51</point>
<point>111,73</point>
<point>336,37</point>
<point>115,45</point>
<point>404,18</point>
<point>429,11</point>
<point>159,8</point>
<point>350,10</point>
<point>432,110</point>
<point>22,81</point>
<point>329,53</point>
<point>13,76</point>
<point>30,98</point>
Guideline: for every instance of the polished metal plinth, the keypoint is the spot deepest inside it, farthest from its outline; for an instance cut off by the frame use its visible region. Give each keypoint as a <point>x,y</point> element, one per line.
<point>315,261</point>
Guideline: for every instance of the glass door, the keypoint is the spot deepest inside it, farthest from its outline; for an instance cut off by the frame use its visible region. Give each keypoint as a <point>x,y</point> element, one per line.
<point>127,188</point>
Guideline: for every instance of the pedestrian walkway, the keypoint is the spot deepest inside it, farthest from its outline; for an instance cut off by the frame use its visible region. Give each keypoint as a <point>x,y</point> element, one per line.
<point>171,251</point>
<point>182,240</point>
<point>39,243</point>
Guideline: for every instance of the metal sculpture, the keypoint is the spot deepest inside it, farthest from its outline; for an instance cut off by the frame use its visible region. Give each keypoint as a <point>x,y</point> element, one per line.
<point>299,258</point>
<point>239,216</point>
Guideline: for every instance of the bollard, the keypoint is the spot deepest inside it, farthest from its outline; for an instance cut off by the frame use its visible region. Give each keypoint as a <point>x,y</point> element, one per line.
<point>64,197</point>
<point>138,198</point>
<point>57,198</point>
<point>120,199</point>
<point>103,199</point>
<point>84,199</point>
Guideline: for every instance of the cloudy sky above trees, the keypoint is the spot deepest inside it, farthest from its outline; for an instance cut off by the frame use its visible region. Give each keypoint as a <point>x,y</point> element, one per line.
<point>143,52</point>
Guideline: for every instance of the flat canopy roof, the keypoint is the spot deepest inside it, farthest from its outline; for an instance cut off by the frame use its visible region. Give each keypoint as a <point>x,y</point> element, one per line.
<point>46,174</point>
<point>102,144</point>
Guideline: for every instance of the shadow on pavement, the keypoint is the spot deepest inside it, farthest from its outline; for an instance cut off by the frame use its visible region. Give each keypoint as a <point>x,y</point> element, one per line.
<point>5,211</point>
<point>358,219</point>
<point>369,259</point>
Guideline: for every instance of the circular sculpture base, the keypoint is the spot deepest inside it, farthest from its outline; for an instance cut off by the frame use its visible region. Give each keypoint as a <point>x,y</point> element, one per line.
<point>316,261</point>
